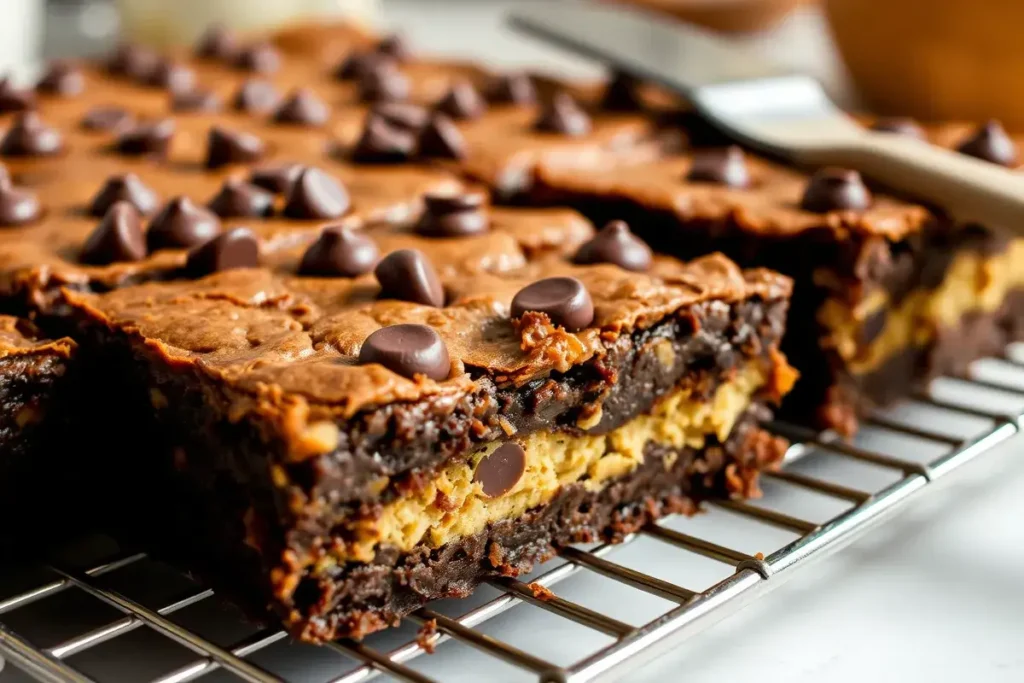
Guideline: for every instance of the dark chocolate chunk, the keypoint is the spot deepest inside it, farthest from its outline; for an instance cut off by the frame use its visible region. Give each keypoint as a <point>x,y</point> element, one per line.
<point>237,248</point>
<point>411,117</point>
<point>726,166</point>
<point>30,136</point>
<point>499,472</point>
<point>835,189</point>
<point>873,325</point>
<point>197,100</point>
<point>565,300</point>
<point>117,238</point>
<point>616,244</point>
<point>260,57</point>
<point>146,138</point>
<point>622,94</point>
<point>255,96</point>
<point>17,206</point>
<point>304,108</point>
<point>62,78</point>
<point>277,178</point>
<point>899,126</point>
<point>408,350</point>
<point>106,118</point>
<point>384,83</point>
<point>462,102</point>
<point>382,142</point>
<point>441,139</point>
<point>408,275</point>
<point>133,61</point>
<point>181,224</point>
<point>991,143</point>
<point>239,199</point>
<point>316,195</point>
<point>172,76</point>
<point>453,215</point>
<point>394,46</point>
<point>217,42</point>
<point>340,252</point>
<point>512,88</point>
<point>358,64</point>
<point>226,146</point>
<point>564,116</point>
<point>124,188</point>
<point>15,99</point>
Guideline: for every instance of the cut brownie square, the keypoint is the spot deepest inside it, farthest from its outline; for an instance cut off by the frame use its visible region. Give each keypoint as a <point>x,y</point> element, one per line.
<point>343,449</point>
<point>888,293</point>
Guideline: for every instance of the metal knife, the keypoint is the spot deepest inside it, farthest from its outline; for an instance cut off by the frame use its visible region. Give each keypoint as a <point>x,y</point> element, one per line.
<point>773,109</point>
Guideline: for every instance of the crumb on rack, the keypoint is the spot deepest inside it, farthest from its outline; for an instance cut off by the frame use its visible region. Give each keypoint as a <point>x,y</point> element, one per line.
<point>426,636</point>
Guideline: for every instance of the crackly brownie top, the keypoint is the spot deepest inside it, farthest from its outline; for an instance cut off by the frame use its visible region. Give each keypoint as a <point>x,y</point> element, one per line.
<point>19,337</point>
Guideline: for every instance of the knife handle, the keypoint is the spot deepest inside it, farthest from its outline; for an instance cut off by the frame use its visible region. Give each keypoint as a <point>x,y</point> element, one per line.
<point>973,191</point>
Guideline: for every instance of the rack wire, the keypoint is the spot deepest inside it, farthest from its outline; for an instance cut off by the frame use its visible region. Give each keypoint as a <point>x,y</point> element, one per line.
<point>692,610</point>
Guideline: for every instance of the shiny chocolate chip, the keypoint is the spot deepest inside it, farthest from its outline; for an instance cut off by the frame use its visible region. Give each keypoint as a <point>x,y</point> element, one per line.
<point>225,146</point>
<point>726,166</point>
<point>277,178</point>
<point>106,118</point>
<point>146,138</point>
<point>255,96</point>
<point>195,100</point>
<point>462,102</point>
<point>565,300</point>
<point>181,224</point>
<point>133,61</point>
<point>239,199</point>
<point>63,79</point>
<point>411,117</point>
<point>622,94</point>
<point>30,136</point>
<point>383,142</point>
<point>835,189</point>
<point>124,188</point>
<point>340,252</point>
<point>17,206</point>
<point>237,248</point>
<point>172,76</point>
<point>384,83</point>
<point>117,238</point>
<point>394,46</point>
<point>13,98</point>
<point>450,215</point>
<point>991,143</point>
<point>441,139</point>
<point>408,275</point>
<point>512,88</point>
<point>408,350</point>
<point>217,42</point>
<point>302,107</point>
<point>260,57</point>
<point>899,125</point>
<point>357,64</point>
<point>564,116</point>
<point>316,195</point>
<point>499,472</point>
<point>616,244</point>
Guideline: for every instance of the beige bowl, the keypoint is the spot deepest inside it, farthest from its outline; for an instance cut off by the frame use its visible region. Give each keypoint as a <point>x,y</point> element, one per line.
<point>934,59</point>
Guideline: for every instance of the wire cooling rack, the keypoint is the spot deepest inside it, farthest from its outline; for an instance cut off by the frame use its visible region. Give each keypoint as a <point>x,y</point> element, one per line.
<point>237,653</point>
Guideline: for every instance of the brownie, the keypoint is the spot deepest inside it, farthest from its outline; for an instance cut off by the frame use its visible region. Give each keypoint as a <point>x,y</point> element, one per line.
<point>888,292</point>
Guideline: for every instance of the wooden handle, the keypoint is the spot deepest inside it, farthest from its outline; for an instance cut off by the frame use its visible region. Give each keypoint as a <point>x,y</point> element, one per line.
<point>973,191</point>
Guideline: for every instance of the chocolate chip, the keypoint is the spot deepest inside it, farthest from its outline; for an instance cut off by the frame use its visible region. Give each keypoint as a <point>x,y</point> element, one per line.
<point>171,76</point>
<point>217,42</point>
<point>147,138</point>
<point>564,116</point>
<point>462,102</point>
<point>382,142</point>
<point>564,300</point>
<point>304,108</point>
<point>261,57</point>
<point>453,215</point>
<point>441,139</point>
<point>133,61</point>
<point>237,248</point>
<point>117,238</point>
<point>899,126</point>
<point>622,94</point>
<point>512,88</point>
<point>395,46</point>
<point>357,64</point>
<point>106,118</point>
<point>17,206</point>
<point>316,195</point>
<point>408,350</point>
<point>239,199</point>
<point>616,244</point>
<point>29,136</point>
<point>340,252</point>
<point>835,189</point>
<point>181,224</point>
<point>15,99</point>
<point>226,146</point>
<point>277,179</point>
<point>195,100</point>
<point>411,117</point>
<point>62,78</point>
<point>991,143</point>
<point>384,83</point>
<point>726,166</point>
<point>872,326</point>
<point>407,275</point>
<point>499,472</point>
<point>124,188</point>
<point>255,96</point>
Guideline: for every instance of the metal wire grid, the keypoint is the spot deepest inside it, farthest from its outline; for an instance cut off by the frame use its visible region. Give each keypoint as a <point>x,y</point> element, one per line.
<point>694,611</point>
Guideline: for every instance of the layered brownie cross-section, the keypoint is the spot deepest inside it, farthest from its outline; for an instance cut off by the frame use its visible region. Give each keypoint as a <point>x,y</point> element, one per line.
<point>379,423</point>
